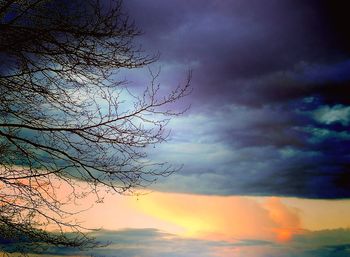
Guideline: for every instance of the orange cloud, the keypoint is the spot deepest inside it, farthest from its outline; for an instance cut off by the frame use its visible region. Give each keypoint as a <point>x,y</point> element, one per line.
<point>223,218</point>
<point>286,218</point>
<point>208,217</point>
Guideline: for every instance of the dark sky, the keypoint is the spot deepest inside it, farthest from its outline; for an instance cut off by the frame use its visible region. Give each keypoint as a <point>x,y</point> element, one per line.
<point>269,116</point>
<point>270,109</point>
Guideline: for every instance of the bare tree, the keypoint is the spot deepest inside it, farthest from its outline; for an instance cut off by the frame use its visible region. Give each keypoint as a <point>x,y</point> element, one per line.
<point>66,120</point>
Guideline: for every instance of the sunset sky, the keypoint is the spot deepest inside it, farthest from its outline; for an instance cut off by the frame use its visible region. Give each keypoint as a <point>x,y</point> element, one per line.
<point>264,146</point>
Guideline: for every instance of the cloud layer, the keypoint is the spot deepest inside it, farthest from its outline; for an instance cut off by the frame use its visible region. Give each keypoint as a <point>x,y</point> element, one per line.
<point>154,243</point>
<point>270,109</point>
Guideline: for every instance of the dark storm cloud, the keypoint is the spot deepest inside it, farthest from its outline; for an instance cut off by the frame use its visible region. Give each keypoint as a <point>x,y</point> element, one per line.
<point>270,109</point>
<point>232,40</point>
<point>262,152</point>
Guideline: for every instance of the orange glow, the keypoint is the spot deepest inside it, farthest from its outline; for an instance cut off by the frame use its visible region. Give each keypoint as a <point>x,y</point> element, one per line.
<point>230,218</point>
<point>284,235</point>
<point>217,217</point>
<point>287,219</point>
<point>223,218</point>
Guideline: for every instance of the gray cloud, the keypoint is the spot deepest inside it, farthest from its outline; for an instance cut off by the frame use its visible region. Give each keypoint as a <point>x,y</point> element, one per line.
<point>150,243</point>
<point>269,81</point>
<point>234,40</point>
<point>256,151</point>
<point>154,243</point>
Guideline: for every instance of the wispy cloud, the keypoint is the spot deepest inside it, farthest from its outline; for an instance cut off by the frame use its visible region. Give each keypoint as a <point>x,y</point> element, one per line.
<point>154,243</point>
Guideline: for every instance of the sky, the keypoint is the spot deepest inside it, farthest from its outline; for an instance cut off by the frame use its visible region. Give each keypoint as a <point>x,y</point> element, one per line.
<point>270,109</point>
<point>265,144</point>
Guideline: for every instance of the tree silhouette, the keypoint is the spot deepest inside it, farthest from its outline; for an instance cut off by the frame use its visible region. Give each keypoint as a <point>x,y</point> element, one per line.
<point>66,120</point>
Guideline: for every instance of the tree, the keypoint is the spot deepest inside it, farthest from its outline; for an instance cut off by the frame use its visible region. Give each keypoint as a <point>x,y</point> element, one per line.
<point>63,121</point>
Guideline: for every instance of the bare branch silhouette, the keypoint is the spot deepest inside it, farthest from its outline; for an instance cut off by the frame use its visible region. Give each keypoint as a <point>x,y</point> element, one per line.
<point>65,117</point>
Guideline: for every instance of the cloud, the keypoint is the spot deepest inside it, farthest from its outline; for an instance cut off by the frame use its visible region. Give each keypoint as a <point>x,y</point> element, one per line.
<point>224,218</point>
<point>215,226</point>
<point>287,219</point>
<point>154,243</point>
<point>323,243</point>
<point>149,243</point>
<point>257,151</point>
<point>335,114</point>
<point>269,110</point>
<point>237,41</point>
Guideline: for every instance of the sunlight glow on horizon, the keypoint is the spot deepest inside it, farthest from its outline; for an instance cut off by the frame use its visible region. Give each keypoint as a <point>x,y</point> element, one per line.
<point>231,222</point>
<point>227,218</point>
